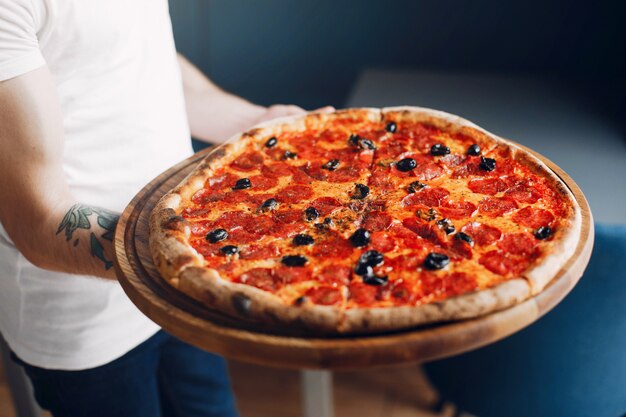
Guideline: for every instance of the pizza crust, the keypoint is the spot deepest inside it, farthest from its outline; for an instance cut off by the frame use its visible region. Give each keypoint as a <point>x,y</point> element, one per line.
<point>182,266</point>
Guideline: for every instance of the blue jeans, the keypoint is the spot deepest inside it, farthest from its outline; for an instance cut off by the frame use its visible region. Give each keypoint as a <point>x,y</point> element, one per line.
<point>572,362</point>
<point>161,377</point>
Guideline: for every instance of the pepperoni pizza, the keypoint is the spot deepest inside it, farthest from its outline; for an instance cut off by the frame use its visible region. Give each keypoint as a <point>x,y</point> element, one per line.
<point>365,220</point>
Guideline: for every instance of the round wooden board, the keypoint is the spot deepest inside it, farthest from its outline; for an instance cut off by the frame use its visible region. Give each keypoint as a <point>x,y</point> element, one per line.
<point>232,338</point>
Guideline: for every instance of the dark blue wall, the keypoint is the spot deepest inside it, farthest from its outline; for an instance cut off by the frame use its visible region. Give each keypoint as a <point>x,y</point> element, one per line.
<point>310,52</point>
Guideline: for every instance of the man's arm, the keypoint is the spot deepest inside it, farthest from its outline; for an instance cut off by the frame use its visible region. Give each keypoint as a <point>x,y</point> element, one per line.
<point>42,218</point>
<point>215,115</point>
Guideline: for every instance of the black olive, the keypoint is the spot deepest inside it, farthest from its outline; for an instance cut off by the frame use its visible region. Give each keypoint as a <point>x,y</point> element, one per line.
<point>391,127</point>
<point>303,240</point>
<point>375,280</point>
<point>269,204</point>
<point>406,164</point>
<point>300,300</point>
<point>360,191</point>
<point>363,269</point>
<point>331,165</point>
<point>311,214</point>
<point>294,260</point>
<point>543,232</point>
<point>242,184</point>
<point>473,150</point>
<point>271,142</point>
<point>360,238</point>
<point>216,235</point>
<point>415,186</point>
<point>328,221</point>
<point>362,143</point>
<point>436,260</point>
<point>449,229</point>
<point>465,238</point>
<point>229,250</point>
<point>367,144</point>
<point>443,222</point>
<point>487,164</point>
<point>290,155</point>
<point>371,258</point>
<point>439,150</point>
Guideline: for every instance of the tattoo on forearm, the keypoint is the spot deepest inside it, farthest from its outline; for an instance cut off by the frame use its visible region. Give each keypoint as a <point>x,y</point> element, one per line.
<point>77,217</point>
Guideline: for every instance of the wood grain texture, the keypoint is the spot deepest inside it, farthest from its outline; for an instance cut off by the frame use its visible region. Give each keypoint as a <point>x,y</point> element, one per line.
<point>248,342</point>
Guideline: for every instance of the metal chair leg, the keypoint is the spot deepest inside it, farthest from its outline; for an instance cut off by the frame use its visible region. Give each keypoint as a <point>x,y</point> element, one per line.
<point>317,393</point>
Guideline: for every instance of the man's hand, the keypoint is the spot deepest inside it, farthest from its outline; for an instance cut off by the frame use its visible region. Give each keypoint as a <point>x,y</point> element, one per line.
<point>215,115</point>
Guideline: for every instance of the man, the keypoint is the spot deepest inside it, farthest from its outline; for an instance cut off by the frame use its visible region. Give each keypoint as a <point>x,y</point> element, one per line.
<point>94,102</point>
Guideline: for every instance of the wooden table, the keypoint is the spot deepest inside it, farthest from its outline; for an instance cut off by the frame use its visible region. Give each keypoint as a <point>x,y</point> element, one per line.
<point>210,330</point>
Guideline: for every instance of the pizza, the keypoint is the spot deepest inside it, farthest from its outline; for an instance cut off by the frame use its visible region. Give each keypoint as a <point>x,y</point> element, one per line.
<point>363,221</point>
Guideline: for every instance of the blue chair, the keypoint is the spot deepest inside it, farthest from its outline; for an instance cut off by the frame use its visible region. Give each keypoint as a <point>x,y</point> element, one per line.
<point>572,362</point>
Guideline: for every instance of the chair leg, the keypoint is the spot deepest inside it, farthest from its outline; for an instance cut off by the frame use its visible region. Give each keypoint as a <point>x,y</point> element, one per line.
<point>317,393</point>
<point>19,385</point>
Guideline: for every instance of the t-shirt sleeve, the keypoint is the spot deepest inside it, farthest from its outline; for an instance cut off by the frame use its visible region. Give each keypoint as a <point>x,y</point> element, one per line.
<point>19,46</point>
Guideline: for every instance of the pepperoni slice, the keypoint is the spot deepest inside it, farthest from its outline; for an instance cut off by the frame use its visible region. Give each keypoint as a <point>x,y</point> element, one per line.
<point>294,194</point>
<point>260,225</point>
<point>200,229</point>
<point>363,294</point>
<point>382,242</point>
<point>497,206</point>
<point>247,161</point>
<point>447,285</point>
<point>518,243</point>
<point>404,262</point>
<point>524,193</point>
<point>408,236</point>
<point>500,263</point>
<point>205,196</point>
<point>482,234</point>
<point>190,213</point>
<point>425,231</point>
<point>471,166</point>
<point>461,249</point>
<point>259,252</point>
<point>235,197</point>
<point>345,174</point>
<point>457,209</point>
<point>430,197</point>
<point>261,278</point>
<point>222,182</point>
<point>335,275</point>
<point>287,216</point>
<point>376,221</point>
<point>326,205</point>
<point>452,160</point>
<point>401,293</point>
<point>261,182</point>
<point>326,296</point>
<point>381,179</point>
<point>233,219</point>
<point>205,248</point>
<point>276,170</point>
<point>533,217</point>
<point>289,275</point>
<point>490,186</point>
<point>285,230</point>
<point>239,235</point>
<point>427,171</point>
<point>334,246</point>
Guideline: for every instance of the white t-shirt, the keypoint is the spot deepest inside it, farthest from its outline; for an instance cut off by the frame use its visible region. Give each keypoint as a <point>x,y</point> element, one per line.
<point>118,79</point>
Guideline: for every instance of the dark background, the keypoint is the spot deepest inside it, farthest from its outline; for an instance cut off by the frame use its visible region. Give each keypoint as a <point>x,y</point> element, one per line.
<point>311,52</point>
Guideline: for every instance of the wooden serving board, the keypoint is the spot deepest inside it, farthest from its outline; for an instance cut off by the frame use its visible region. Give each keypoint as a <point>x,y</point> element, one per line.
<point>211,330</point>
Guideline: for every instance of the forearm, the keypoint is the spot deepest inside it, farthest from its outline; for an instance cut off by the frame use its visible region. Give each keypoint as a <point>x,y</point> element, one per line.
<point>74,238</point>
<point>213,114</point>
